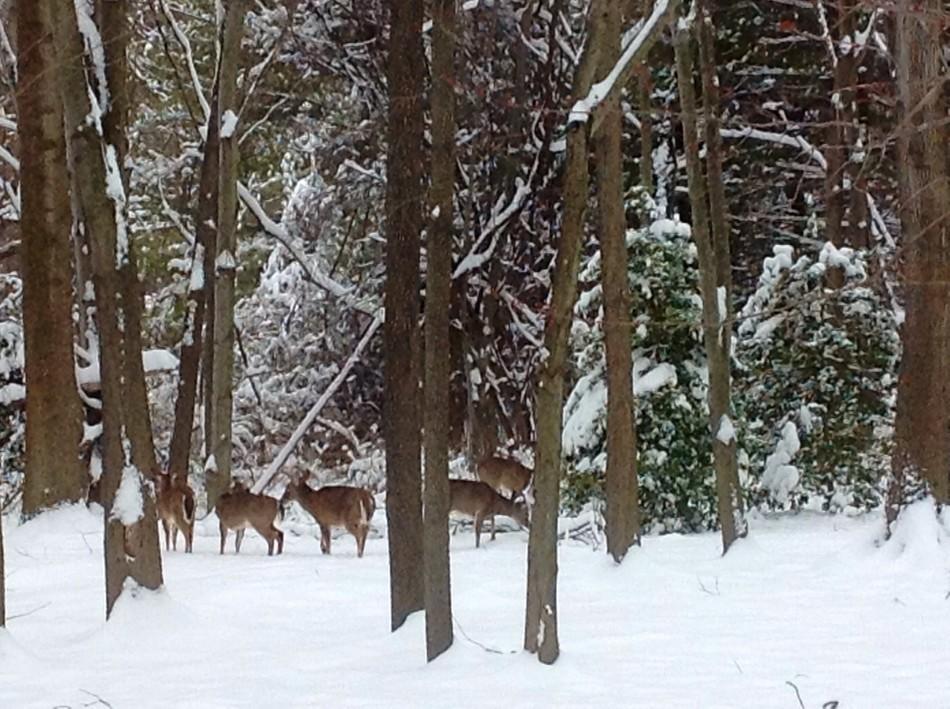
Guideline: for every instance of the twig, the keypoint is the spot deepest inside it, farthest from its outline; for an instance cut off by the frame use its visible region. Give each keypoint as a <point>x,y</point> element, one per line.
<point>797,693</point>
<point>30,612</point>
<point>703,588</point>
<point>493,650</point>
<point>99,700</point>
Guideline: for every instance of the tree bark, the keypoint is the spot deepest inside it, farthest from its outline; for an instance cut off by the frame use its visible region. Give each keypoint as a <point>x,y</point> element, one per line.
<point>54,472</point>
<point>921,458</point>
<point>714,296</point>
<point>222,396</point>
<point>131,534</point>
<point>113,22</point>
<point>540,632</point>
<point>405,73</point>
<point>438,596</point>
<point>622,514</point>
<point>202,268</point>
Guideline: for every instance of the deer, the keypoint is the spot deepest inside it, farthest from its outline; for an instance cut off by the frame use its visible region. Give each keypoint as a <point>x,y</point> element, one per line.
<point>504,474</point>
<point>176,509</point>
<point>239,509</point>
<point>334,506</point>
<point>479,500</point>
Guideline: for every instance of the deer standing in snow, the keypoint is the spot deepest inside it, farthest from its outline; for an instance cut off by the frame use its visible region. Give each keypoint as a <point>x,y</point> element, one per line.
<point>480,501</point>
<point>504,474</point>
<point>239,509</point>
<point>176,509</point>
<point>334,506</point>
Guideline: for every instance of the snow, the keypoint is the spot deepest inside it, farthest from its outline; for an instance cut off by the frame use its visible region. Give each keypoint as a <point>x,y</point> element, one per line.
<point>10,393</point>
<point>225,261</point>
<point>152,361</point>
<point>582,109</point>
<point>780,477</point>
<point>127,507</point>
<point>197,280</point>
<point>805,599</point>
<point>657,378</point>
<point>727,432</point>
<point>229,123</point>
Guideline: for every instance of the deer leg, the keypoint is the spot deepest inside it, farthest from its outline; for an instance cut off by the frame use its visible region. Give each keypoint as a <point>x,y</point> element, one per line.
<point>174,527</point>
<point>237,540</point>
<point>280,540</point>
<point>224,535</point>
<point>493,527</point>
<point>189,534</point>
<point>324,539</point>
<point>478,530</point>
<point>360,534</point>
<point>166,530</point>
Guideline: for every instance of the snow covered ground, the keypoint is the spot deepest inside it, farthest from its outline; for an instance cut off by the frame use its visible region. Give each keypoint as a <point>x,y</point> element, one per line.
<point>807,601</point>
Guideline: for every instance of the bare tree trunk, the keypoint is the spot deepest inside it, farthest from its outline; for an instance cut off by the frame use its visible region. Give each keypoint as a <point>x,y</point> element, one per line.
<point>113,21</point>
<point>54,472</point>
<point>202,265</point>
<point>622,514</point>
<point>644,93</point>
<point>921,458</point>
<point>438,595</point>
<point>222,396</point>
<point>405,73</point>
<point>714,296</point>
<point>131,534</point>
<point>540,632</point>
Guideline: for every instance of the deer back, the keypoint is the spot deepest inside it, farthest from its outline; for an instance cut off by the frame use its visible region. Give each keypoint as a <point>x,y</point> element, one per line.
<point>240,507</point>
<point>504,473</point>
<point>336,505</point>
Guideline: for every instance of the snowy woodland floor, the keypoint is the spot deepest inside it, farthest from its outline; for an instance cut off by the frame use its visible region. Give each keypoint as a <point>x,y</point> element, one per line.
<point>807,600</point>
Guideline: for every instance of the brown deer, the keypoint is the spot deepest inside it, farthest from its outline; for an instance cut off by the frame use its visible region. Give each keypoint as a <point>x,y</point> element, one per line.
<point>479,500</point>
<point>334,506</point>
<point>239,509</point>
<point>504,474</point>
<point>176,509</point>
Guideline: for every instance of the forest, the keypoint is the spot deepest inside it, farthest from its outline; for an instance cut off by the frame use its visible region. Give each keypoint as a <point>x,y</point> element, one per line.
<point>642,306</point>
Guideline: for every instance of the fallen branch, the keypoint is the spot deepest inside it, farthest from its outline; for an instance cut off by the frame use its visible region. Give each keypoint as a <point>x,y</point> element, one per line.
<point>315,410</point>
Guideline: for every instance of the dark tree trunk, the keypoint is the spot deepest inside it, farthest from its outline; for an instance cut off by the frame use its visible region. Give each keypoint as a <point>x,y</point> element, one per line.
<point>113,22</point>
<point>438,596</point>
<point>222,395</point>
<point>921,458</point>
<point>714,296</point>
<point>54,472</point>
<point>131,533</point>
<point>622,514</point>
<point>199,301</point>
<point>405,73</point>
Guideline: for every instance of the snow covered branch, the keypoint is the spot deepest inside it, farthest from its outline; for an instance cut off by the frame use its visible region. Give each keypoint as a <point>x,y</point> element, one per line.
<point>315,410</point>
<point>633,54</point>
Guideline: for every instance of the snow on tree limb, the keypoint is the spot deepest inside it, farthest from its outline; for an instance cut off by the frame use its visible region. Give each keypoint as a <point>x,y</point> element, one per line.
<point>632,55</point>
<point>315,410</point>
<point>189,58</point>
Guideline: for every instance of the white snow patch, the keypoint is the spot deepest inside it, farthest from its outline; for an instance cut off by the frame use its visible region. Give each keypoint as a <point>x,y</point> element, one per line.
<point>780,476</point>
<point>727,432</point>
<point>229,123</point>
<point>128,504</point>
<point>225,261</point>
<point>657,378</point>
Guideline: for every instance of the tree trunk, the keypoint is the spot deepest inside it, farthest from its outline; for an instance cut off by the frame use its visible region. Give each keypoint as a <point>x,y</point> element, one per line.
<point>623,523</point>
<point>54,472</point>
<point>921,458</point>
<point>405,73</point>
<point>540,630</point>
<point>131,534</point>
<point>202,264</point>
<point>644,92</point>
<point>113,21</point>
<point>438,596</point>
<point>222,395</point>
<point>714,296</point>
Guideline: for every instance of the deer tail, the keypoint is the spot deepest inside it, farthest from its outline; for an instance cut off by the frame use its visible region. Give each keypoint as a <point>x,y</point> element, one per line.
<point>188,507</point>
